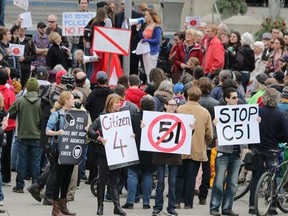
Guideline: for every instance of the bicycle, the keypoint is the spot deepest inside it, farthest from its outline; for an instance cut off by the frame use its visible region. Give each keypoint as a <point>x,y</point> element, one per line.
<point>243,183</point>
<point>272,188</point>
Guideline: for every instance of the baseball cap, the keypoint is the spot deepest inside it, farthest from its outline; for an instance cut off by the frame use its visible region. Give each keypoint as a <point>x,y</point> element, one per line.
<point>178,87</point>
<point>101,75</point>
<point>41,72</point>
<point>284,58</point>
<point>41,25</point>
<point>266,35</point>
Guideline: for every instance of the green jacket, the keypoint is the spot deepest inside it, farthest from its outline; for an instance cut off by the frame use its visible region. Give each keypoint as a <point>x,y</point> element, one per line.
<point>27,110</point>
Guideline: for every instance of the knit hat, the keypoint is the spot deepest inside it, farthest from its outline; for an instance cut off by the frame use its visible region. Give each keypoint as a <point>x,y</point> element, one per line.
<point>178,87</point>
<point>261,78</point>
<point>285,92</point>
<point>101,75</point>
<point>266,35</point>
<point>32,85</point>
<point>59,75</point>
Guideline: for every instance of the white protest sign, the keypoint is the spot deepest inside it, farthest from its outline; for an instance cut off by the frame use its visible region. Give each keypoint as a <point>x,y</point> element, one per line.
<point>17,49</point>
<point>24,4</point>
<point>142,48</point>
<point>73,23</point>
<point>111,40</point>
<point>26,20</point>
<point>237,124</point>
<point>193,21</point>
<point>120,148</point>
<point>166,132</point>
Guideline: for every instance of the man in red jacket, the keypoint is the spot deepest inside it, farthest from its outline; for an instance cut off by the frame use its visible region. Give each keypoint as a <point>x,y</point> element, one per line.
<point>9,98</point>
<point>214,56</point>
<point>133,93</point>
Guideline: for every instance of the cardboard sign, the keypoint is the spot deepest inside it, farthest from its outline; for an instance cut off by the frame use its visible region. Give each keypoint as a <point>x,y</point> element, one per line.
<point>73,23</point>
<point>166,132</point>
<point>237,124</point>
<point>111,40</point>
<point>72,142</point>
<point>120,148</point>
<point>193,21</point>
<point>24,4</point>
<point>17,49</point>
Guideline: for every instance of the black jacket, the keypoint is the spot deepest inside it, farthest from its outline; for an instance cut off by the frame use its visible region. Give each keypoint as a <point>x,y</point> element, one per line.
<point>56,56</point>
<point>245,60</point>
<point>96,101</point>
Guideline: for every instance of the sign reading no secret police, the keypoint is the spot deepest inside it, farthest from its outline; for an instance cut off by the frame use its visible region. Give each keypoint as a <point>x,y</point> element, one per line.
<point>71,147</point>
<point>237,124</point>
<point>166,132</point>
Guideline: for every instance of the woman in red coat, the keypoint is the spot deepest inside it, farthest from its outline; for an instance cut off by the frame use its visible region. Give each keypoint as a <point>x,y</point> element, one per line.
<point>183,52</point>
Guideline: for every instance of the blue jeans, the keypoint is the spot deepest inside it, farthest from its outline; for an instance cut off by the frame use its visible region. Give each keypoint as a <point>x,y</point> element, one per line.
<point>2,12</point>
<point>28,149</point>
<point>227,166</point>
<point>245,80</point>
<point>270,162</point>
<point>132,183</point>
<point>1,191</point>
<point>14,153</point>
<point>161,186</point>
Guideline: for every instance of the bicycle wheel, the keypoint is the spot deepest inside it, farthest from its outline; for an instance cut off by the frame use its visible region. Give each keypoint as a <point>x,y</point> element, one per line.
<point>282,198</point>
<point>93,186</point>
<point>263,194</point>
<point>243,184</point>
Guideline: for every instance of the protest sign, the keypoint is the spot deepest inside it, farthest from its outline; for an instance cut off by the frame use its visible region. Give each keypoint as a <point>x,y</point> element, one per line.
<point>26,20</point>
<point>193,21</point>
<point>24,4</point>
<point>120,148</point>
<point>73,23</point>
<point>72,142</point>
<point>166,132</point>
<point>237,124</point>
<point>17,49</point>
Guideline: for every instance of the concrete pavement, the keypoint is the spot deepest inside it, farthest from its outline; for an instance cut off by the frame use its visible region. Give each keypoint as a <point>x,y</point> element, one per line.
<point>85,204</point>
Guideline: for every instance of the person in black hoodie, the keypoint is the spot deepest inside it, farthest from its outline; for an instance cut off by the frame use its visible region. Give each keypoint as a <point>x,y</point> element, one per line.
<point>94,105</point>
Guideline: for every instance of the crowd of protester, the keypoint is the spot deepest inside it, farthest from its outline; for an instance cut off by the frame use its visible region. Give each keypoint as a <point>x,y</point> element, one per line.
<point>204,67</point>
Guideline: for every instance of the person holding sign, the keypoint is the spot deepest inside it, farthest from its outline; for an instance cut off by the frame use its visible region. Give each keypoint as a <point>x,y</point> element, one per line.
<point>161,160</point>
<point>227,166</point>
<point>63,172</point>
<point>112,104</point>
<point>273,130</point>
<point>202,137</point>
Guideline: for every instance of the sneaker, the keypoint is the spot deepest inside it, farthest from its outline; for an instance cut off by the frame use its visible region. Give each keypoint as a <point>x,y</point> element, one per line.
<point>202,202</point>
<point>17,190</point>
<point>47,201</point>
<point>146,206</point>
<point>272,212</point>
<point>215,213</point>
<point>128,206</point>
<point>35,192</point>
<point>156,212</point>
<point>172,213</point>
<point>188,207</point>
<point>6,184</point>
<point>252,211</point>
<point>229,212</point>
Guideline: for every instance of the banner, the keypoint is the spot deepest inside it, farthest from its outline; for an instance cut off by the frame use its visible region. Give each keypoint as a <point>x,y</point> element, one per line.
<point>237,124</point>
<point>166,132</point>
<point>72,142</point>
<point>73,23</point>
<point>120,148</point>
<point>24,4</point>
<point>17,49</point>
<point>193,21</point>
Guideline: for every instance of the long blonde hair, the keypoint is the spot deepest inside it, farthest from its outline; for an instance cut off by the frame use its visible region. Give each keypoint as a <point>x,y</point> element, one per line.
<point>154,16</point>
<point>65,95</point>
<point>110,100</point>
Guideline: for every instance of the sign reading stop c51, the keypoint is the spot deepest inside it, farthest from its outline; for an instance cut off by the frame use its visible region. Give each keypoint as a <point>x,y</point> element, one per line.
<point>166,132</point>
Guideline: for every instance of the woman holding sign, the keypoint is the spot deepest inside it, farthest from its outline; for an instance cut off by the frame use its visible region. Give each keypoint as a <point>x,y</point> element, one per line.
<point>161,160</point>
<point>63,172</point>
<point>112,104</point>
